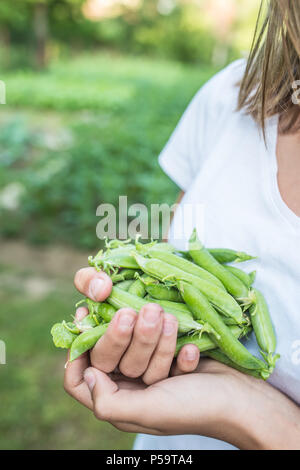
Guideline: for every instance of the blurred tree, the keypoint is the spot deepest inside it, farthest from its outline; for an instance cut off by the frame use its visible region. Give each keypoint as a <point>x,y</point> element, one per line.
<point>43,13</point>
<point>32,22</point>
<point>41,29</point>
<point>198,31</point>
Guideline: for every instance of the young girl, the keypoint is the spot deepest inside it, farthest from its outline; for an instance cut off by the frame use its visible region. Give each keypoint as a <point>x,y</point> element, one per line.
<point>237,151</point>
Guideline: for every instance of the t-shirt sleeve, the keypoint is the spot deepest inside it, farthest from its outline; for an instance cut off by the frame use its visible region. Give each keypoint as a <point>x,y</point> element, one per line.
<point>180,158</point>
<point>199,127</point>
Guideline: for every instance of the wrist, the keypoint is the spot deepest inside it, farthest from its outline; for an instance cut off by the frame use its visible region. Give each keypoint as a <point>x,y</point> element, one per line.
<point>263,419</point>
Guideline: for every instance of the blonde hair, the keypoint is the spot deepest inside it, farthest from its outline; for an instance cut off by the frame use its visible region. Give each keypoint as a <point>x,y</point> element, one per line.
<point>273,66</point>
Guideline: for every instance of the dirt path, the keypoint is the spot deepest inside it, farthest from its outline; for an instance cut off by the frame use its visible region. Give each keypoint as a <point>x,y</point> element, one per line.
<point>49,261</point>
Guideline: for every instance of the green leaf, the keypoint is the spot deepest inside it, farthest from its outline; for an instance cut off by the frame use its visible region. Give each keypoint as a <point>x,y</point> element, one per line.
<point>62,337</point>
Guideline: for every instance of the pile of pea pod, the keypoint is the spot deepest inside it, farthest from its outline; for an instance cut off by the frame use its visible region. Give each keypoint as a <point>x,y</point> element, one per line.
<point>214,302</point>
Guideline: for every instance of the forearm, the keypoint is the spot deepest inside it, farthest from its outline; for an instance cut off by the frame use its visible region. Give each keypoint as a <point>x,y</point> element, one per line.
<point>267,420</point>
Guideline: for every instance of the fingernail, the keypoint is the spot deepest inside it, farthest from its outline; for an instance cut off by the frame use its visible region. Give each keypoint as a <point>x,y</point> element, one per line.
<point>151,316</point>
<point>169,328</point>
<point>126,321</point>
<point>191,354</point>
<point>89,379</point>
<point>95,288</point>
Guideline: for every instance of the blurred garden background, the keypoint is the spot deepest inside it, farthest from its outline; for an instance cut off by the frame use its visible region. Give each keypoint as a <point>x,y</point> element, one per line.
<point>94,89</point>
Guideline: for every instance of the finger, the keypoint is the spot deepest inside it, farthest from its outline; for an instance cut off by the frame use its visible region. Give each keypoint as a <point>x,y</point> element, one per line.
<point>81,313</point>
<point>74,383</point>
<point>146,335</point>
<point>161,361</point>
<point>187,360</point>
<point>109,350</point>
<point>93,284</point>
<point>112,404</point>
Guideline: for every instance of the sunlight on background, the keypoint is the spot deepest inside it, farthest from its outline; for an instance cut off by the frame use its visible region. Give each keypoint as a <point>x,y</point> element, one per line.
<point>98,9</point>
<point>224,16</point>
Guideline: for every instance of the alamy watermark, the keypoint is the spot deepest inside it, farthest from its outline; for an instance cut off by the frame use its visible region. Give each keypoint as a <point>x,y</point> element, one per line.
<point>2,353</point>
<point>151,222</point>
<point>2,92</point>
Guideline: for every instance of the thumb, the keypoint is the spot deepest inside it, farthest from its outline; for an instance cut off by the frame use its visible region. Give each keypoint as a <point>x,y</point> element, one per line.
<point>99,383</point>
<point>103,392</point>
<point>112,404</point>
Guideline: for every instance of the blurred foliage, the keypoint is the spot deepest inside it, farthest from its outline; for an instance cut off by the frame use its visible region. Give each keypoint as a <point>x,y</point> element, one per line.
<point>115,115</point>
<point>185,30</point>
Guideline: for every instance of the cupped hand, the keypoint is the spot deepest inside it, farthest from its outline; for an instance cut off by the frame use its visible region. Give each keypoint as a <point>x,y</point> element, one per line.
<point>140,345</point>
<point>214,401</point>
<point>209,402</point>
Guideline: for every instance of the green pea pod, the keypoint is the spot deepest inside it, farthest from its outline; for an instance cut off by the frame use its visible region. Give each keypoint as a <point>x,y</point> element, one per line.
<point>88,322</point>
<point>62,337</point>
<point>161,292</point>
<point>203,258</point>
<point>224,255</point>
<point>72,327</point>
<point>111,259</point>
<point>120,299</point>
<point>247,279</point>
<point>170,305</point>
<point>227,342</point>
<point>86,341</point>
<point>117,244</point>
<point>205,342</point>
<point>218,297</point>
<point>145,247</point>
<point>105,311</point>
<point>165,247</point>
<point>185,255</point>
<point>263,328</point>
<point>124,285</point>
<point>219,356</point>
<point>148,280</point>
<point>182,307</point>
<point>122,259</point>
<point>124,275</point>
<point>185,266</point>
<point>138,288</point>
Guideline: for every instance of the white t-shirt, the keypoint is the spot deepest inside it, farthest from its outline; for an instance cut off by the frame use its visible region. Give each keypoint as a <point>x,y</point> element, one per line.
<point>219,158</point>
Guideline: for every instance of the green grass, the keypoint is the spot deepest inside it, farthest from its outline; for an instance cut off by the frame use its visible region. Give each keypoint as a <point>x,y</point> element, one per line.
<point>35,411</point>
<point>102,82</point>
<point>85,132</point>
